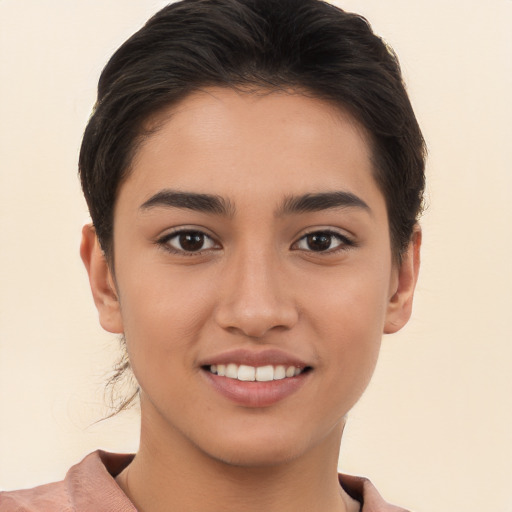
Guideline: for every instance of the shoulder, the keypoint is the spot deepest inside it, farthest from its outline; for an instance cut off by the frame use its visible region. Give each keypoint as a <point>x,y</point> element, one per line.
<point>362,490</point>
<point>45,497</point>
<point>89,485</point>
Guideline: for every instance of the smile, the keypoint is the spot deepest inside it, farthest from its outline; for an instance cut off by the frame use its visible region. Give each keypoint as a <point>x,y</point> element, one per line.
<point>254,373</point>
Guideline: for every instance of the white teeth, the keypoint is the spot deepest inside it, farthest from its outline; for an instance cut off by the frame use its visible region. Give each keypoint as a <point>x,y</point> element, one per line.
<point>247,373</point>
<point>232,371</point>
<point>279,372</point>
<point>251,373</point>
<point>290,371</point>
<point>265,373</point>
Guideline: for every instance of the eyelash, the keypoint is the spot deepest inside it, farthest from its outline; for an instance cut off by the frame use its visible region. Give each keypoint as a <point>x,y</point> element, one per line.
<point>345,243</point>
<point>165,241</point>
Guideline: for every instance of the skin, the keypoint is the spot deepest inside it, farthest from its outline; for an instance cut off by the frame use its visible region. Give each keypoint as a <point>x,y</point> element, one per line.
<point>256,284</point>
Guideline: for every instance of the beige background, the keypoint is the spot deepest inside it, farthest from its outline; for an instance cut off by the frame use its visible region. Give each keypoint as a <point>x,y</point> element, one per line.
<point>434,430</point>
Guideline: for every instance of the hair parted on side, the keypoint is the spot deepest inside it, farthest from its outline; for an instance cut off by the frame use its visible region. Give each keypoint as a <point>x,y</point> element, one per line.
<point>305,46</point>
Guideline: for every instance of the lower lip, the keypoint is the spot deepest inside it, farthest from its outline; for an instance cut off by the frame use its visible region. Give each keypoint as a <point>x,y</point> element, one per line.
<point>256,394</point>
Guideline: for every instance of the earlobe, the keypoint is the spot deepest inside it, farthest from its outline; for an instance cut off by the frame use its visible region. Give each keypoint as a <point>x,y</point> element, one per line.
<point>400,302</point>
<point>102,283</point>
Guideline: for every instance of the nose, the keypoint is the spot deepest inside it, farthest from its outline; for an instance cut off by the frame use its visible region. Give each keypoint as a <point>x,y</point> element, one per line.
<point>256,297</point>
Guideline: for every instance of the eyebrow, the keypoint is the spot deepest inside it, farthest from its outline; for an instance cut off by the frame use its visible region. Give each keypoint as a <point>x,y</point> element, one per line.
<point>209,203</point>
<point>206,203</point>
<point>322,201</point>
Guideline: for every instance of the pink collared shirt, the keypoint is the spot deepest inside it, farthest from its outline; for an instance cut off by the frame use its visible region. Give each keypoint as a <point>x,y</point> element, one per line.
<point>90,486</point>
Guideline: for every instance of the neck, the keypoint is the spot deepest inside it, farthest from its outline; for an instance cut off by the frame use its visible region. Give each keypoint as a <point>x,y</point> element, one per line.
<point>169,473</point>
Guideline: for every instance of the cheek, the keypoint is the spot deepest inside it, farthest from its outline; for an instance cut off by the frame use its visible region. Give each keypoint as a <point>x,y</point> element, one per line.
<point>162,317</point>
<point>350,300</point>
<point>349,317</point>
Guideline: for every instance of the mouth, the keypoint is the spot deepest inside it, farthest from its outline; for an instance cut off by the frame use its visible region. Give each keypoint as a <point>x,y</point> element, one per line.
<point>256,379</point>
<point>246,373</point>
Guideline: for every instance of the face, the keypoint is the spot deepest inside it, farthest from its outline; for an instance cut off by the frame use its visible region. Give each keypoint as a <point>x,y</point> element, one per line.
<point>253,274</point>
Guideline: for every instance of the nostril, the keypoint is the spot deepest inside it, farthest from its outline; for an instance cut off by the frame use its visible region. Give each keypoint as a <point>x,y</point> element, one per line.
<point>255,322</point>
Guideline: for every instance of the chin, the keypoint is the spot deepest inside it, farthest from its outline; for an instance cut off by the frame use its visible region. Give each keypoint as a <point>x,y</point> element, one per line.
<point>264,448</point>
<point>255,456</point>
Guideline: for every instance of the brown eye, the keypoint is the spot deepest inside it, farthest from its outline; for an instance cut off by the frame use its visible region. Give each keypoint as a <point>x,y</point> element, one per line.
<point>189,241</point>
<point>323,241</point>
<point>319,241</point>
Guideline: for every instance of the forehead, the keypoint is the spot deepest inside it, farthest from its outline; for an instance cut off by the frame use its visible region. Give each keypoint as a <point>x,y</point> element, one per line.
<point>223,141</point>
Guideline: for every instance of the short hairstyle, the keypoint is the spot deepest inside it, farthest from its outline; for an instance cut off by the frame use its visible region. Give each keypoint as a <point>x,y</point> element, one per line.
<point>308,46</point>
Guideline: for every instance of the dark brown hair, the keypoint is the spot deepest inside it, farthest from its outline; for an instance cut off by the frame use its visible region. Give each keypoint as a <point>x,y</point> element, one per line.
<point>307,46</point>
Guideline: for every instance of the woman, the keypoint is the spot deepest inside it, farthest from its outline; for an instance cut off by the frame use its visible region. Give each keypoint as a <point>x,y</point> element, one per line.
<point>254,174</point>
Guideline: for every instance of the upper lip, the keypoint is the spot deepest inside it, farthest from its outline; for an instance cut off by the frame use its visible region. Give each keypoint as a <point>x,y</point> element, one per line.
<point>274,357</point>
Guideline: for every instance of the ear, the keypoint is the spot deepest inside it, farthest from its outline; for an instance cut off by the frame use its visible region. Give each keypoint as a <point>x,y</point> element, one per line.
<point>102,283</point>
<point>402,293</point>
